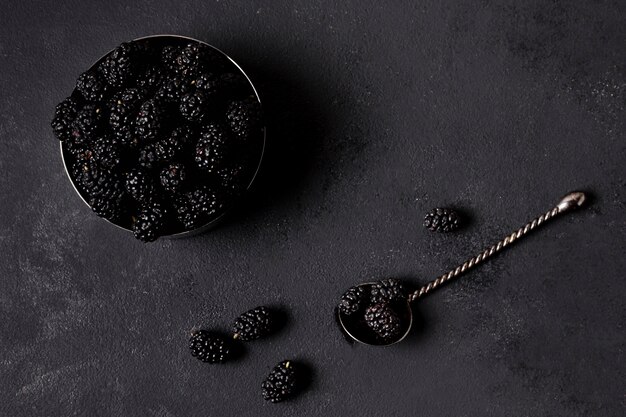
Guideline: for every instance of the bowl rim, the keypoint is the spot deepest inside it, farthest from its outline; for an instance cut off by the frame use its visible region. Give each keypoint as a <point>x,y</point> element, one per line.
<point>214,222</point>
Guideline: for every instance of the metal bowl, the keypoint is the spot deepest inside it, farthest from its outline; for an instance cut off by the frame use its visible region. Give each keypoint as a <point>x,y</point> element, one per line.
<point>220,216</point>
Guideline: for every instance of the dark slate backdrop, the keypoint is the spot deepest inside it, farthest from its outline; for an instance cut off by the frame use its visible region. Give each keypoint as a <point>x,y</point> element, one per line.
<point>376,113</point>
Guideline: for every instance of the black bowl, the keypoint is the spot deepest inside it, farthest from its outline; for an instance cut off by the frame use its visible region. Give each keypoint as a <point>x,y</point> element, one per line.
<point>254,163</point>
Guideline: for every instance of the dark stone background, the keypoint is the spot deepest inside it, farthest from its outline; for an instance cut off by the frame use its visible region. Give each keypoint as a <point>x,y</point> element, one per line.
<point>377,113</point>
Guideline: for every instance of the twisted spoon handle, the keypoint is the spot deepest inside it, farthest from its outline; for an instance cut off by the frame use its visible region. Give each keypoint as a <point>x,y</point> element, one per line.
<point>568,202</point>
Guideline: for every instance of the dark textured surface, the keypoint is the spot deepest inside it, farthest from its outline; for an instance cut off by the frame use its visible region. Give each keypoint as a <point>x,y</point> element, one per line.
<point>377,113</point>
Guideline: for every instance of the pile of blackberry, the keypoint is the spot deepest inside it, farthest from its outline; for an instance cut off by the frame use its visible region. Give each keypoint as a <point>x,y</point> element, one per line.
<point>376,306</point>
<point>161,136</point>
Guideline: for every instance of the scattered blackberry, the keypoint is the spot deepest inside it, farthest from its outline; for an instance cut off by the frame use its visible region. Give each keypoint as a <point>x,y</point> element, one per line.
<point>352,300</point>
<point>189,60</point>
<point>122,112</point>
<point>192,106</point>
<point>172,177</point>
<point>149,120</point>
<point>148,224</point>
<point>91,86</point>
<point>209,347</point>
<point>117,67</point>
<point>64,115</point>
<point>106,151</point>
<point>383,321</point>
<point>243,117</point>
<point>281,383</point>
<point>140,186</point>
<point>231,179</point>
<point>253,324</point>
<point>442,220</point>
<point>87,123</point>
<point>195,208</point>
<point>212,148</point>
<point>387,290</point>
<point>173,88</point>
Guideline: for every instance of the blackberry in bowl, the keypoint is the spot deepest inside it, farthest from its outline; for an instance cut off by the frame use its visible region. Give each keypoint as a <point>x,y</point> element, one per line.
<point>162,136</point>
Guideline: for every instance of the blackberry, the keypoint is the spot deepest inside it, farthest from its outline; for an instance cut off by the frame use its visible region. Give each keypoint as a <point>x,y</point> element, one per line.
<point>140,186</point>
<point>243,117</point>
<point>209,347</point>
<point>149,120</point>
<point>64,115</point>
<point>122,111</point>
<point>173,88</point>
<point>149,222</point>
<point>180,138</point>
<point>281,383</point>
<point>189,60</point>
<point>168,56</point>
<point>208,83</point>
<point>106,152</point>
<point>172,177</point>
<point>79,151</point>
<point>383,320</point>
<point>150,79</point>
<point>195,208</point>
<point>192,106</point>
<point>352,300</point>
<point>166,149</point>
<point>253,324</point>
<point>231,179</point>
<point>117,67</point>
<point>91,86</point>
<point>87,123</point>
<point>212,148</point>
<point>387,290</point>
<point>442,220</point>
<point>110,208</point>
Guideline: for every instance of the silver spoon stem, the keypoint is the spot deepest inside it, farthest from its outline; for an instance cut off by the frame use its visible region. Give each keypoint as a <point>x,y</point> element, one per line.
<point>570,201</point>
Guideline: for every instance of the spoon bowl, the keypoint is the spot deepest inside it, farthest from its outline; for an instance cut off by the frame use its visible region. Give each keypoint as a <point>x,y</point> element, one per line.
<point>355,327</point>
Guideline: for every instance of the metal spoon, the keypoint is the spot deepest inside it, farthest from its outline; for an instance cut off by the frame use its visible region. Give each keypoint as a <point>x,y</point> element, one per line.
<point>354,326</point>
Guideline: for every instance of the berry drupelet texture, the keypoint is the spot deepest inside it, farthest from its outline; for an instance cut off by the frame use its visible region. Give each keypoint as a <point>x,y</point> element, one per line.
<point>196,207</point>
<point>117,68</point>
<point>209,347</point>
<point>353,300</point>
<point>173,177</point>
<point>140,186</point>
<point>387,290</point>
<point>86,124</point>
<point>212,148</point>
<point>282,383</point>
<point>192,106</point>
<point>149,222</point>
<point>64,115</point>
<point>92,86</point>
<point>106,151</point>
<point>149,120</point>
<point>243,117</point>
<point>122,111</point>
<point>254,324</point>
<point>383,320</point>
<point>442,220</point>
